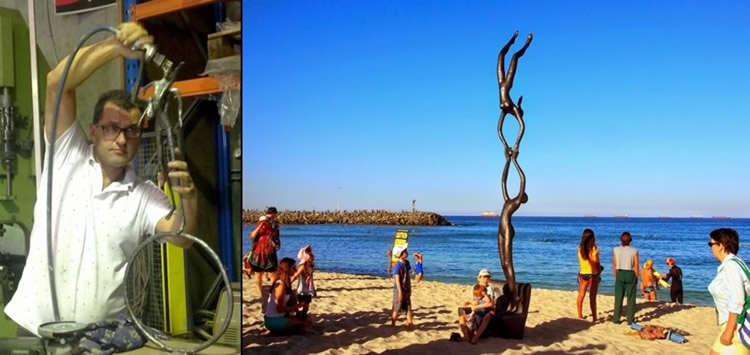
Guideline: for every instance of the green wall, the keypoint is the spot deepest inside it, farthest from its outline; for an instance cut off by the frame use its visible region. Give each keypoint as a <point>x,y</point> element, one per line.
<point>16,59</point>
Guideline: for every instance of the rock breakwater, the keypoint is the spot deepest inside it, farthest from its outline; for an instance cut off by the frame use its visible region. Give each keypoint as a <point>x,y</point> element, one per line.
<point>403,218</point>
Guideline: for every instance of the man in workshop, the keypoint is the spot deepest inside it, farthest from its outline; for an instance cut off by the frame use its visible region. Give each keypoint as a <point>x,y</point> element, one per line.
<point>100,208</point>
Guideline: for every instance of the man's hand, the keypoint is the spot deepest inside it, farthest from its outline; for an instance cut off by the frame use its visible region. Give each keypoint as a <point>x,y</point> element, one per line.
<point>178,170</point>
<point>726,338</point>
<point>132,35</point>
<point>182,184</point>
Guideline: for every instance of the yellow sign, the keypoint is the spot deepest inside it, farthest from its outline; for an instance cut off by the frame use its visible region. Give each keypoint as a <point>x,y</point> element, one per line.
<point>401,238</point>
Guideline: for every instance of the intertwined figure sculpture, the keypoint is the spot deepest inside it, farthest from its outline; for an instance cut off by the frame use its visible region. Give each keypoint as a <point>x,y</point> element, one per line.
<point>505,231</point>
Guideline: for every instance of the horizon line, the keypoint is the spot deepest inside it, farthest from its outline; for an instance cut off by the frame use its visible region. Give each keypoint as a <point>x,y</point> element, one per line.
<point>620,216</point>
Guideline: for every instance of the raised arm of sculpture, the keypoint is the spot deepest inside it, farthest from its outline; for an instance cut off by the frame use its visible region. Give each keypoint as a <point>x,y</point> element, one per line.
<point>506,232</point>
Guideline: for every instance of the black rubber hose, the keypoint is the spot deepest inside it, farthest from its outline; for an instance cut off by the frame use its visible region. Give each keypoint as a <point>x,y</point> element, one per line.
<point>51,154</point>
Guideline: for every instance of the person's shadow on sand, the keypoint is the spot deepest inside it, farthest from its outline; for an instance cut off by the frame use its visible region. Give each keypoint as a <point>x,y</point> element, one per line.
<point>544,334</point>
<point>342,329</point>
<point>663,309</point>
<point>660,308</point>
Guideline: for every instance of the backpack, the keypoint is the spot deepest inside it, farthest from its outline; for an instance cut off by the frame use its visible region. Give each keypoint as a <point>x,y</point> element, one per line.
<point>744,322</point>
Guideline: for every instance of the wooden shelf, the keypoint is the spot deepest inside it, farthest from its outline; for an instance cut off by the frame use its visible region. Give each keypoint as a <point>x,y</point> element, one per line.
<point>192,87</point>
<point>155,8</point>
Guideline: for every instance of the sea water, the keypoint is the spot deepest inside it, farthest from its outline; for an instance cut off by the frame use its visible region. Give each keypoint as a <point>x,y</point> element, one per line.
<point>544,248</point>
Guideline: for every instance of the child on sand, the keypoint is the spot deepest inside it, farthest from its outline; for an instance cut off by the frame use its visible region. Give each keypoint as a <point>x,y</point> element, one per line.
<point>418,272</point>
<point>648,281</point>
<point>306,285</point>
<point>479,298</point>
<point>402,286</point>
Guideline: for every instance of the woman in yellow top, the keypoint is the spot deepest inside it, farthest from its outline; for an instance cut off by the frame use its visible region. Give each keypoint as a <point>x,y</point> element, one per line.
<point>588,273</point>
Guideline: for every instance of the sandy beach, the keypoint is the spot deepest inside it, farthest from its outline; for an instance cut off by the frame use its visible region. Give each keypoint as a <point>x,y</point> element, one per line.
<point>353,317</point>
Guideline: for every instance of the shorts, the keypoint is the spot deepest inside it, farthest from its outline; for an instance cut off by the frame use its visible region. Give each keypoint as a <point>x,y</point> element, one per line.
<point>404,305</point>
<point>276,324</point>
<point>254,268</point>
<point>648,289</point>
<point>304,298</point>
<point>736,348</point>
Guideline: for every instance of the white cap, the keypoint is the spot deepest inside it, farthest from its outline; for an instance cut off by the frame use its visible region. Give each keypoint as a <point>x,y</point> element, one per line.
<point>398,249</point>
<point>484,272</point>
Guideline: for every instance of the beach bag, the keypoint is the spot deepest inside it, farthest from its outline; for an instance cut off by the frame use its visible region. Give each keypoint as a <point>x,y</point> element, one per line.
<point>743,321</point>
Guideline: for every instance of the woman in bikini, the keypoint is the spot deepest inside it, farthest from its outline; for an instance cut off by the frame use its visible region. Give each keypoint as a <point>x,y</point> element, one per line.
<point>588,273</point>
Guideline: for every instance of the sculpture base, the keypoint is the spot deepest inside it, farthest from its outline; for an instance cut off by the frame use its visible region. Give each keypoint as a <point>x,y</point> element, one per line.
<point>505,324</point>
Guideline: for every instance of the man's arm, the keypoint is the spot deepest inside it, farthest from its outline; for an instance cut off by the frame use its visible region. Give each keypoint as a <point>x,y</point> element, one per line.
<point>614,265</point>
<point>86,62</point>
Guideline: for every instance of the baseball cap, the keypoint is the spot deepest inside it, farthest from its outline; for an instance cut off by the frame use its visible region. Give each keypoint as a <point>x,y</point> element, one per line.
<point>484,272</point>
<point>398,249</point>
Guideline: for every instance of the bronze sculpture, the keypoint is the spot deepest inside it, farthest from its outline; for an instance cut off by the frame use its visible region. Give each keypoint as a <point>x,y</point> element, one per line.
<point>506,232</point>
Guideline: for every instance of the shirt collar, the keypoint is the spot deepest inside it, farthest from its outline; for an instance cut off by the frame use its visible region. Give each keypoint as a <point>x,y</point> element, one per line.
<point>726,261</point>
<point>125,185</point>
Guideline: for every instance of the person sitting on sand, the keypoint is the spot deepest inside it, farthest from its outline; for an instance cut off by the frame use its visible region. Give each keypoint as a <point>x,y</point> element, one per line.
<point>481,305</point>
<point>418,272</point>
<point>306,285</point>
<point>278,309</point>
<point>483,279</point>
<point>648,281</point>
<point>402,286</point>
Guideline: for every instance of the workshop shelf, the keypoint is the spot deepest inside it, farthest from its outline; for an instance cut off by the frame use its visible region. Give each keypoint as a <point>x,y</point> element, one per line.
<point>155,8</point>
<point>191,87</point>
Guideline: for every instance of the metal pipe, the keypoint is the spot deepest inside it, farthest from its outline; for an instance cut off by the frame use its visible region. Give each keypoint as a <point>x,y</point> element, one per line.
<point>7,137</point>
<point>226,244</point>
<point>8,190</point>
<point>37,126</point>
<point>222,273</point>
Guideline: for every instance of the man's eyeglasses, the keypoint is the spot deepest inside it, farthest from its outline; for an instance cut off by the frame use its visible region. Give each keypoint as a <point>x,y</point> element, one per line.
<point>112,131</point>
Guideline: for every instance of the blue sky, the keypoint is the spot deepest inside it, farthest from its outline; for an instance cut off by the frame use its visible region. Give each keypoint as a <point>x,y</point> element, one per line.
<point>638,108</point>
